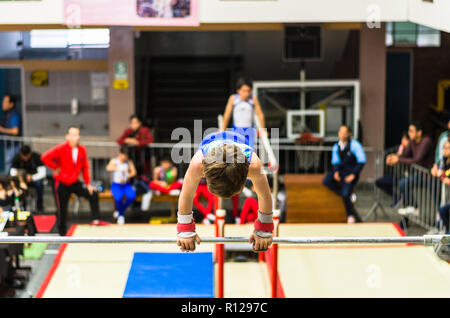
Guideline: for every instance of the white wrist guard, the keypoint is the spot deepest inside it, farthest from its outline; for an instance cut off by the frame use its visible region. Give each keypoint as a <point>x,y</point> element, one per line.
<point>183,220</point>
<point>263,234</point>
<point>263,219</point>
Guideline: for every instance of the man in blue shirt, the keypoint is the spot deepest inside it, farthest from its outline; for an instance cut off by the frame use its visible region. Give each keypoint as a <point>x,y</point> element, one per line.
<point>348,159</point>
<point>10,126</point>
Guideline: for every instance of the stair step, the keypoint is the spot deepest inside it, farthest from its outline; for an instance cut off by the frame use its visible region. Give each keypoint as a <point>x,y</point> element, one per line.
<point>309,201</point>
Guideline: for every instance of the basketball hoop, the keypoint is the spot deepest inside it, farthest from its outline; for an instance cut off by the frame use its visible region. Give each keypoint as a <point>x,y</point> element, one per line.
<point>308,159</point>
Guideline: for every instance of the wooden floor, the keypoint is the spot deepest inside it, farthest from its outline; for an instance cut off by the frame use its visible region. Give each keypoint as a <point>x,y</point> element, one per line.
<point>345,270</point>
<point>101,270</point>
<point>409,271</point>
<point>309,201</point>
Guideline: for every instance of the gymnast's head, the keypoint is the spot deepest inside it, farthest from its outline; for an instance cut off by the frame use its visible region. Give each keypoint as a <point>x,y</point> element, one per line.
<point>225,168</point>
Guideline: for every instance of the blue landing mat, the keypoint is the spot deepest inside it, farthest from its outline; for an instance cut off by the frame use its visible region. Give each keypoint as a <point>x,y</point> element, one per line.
<point>170,275</point>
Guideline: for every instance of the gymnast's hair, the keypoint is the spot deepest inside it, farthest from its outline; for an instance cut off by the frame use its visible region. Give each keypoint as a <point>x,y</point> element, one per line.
<point>243,81</point>
<point>225,168</point>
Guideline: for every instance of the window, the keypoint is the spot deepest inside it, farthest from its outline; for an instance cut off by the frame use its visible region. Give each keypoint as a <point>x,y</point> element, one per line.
<point>411,34</point>
<point>70,38</point>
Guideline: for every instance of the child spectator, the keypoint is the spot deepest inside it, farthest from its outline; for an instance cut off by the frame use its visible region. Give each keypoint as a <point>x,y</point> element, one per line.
<point>122,171</point>
<point>18,188</point>
<point>165,178</point>
<point>11,188</point>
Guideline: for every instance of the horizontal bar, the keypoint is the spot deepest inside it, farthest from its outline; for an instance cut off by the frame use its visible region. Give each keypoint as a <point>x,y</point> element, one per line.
<point>425,240</point>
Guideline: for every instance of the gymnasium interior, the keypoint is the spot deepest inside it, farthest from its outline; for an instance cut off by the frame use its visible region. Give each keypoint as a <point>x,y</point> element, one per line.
<point>379,68</point>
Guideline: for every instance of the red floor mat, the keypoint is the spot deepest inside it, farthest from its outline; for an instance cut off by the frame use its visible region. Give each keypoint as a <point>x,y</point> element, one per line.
<point>44,223</point>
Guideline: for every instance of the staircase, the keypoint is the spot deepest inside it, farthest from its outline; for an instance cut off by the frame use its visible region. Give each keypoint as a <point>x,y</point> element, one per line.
<point>183,89</point>
<point>309,201</point>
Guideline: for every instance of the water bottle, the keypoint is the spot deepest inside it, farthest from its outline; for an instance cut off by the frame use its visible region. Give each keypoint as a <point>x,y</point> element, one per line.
<point>16,210</point>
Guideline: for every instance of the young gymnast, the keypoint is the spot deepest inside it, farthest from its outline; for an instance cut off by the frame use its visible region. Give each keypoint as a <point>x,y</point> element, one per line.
<point>226,159</point>
<point>241,107</point>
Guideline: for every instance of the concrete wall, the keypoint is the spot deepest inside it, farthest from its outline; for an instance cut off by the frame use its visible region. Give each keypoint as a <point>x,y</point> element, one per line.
<point>372,74</point>
<point>262,50</point>
<point>121,102</point>
<point>190,43</point>
<point>32,12</point>
<point>8,45</point>
<point>219,11</point>
<point>48,110</point>
<point>434,15</point>
<point>263,56</point>
<point>429,66</point>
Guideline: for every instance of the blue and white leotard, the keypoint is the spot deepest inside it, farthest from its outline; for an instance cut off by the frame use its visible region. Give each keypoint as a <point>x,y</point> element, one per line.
<point>244,141</point>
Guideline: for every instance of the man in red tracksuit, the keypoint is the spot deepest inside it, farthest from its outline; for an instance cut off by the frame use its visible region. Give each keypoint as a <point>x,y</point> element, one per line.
<point>67,160</point>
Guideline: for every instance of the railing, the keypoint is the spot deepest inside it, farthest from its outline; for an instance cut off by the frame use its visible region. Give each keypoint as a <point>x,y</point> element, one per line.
<point>411,185</point>
<point>300,159</point>
<point>100,152</point>
<point>268,156</point>
<point>416,194</point>
<point>277,158</point>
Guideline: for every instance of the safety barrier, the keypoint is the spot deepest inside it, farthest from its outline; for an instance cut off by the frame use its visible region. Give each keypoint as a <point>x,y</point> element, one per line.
<point>412,185</point>
<point>276,154</point>
<point>416,194</point>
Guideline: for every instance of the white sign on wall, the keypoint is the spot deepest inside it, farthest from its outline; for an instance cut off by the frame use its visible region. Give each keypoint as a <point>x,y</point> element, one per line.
<point>31,12</point>
<point>434,14</point>
<point>298,11</point>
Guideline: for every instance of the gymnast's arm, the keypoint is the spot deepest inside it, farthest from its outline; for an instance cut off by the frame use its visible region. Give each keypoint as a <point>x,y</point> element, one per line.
<point>228,113</point>
<point>261,238</point>
<point>191,180</point>
<point>186,226</point>
<point>261,185</point>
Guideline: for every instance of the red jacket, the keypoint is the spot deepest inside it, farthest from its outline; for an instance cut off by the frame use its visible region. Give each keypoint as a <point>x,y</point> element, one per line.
<point>60,157</point>
<point>144,136</point>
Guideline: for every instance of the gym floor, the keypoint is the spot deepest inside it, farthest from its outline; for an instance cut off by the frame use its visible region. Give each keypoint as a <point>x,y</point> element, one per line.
<point>233,288</point>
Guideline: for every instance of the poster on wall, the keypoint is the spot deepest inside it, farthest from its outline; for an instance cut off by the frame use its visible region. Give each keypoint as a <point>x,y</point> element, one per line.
<point>131,12</point>
<point>39,78</point>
